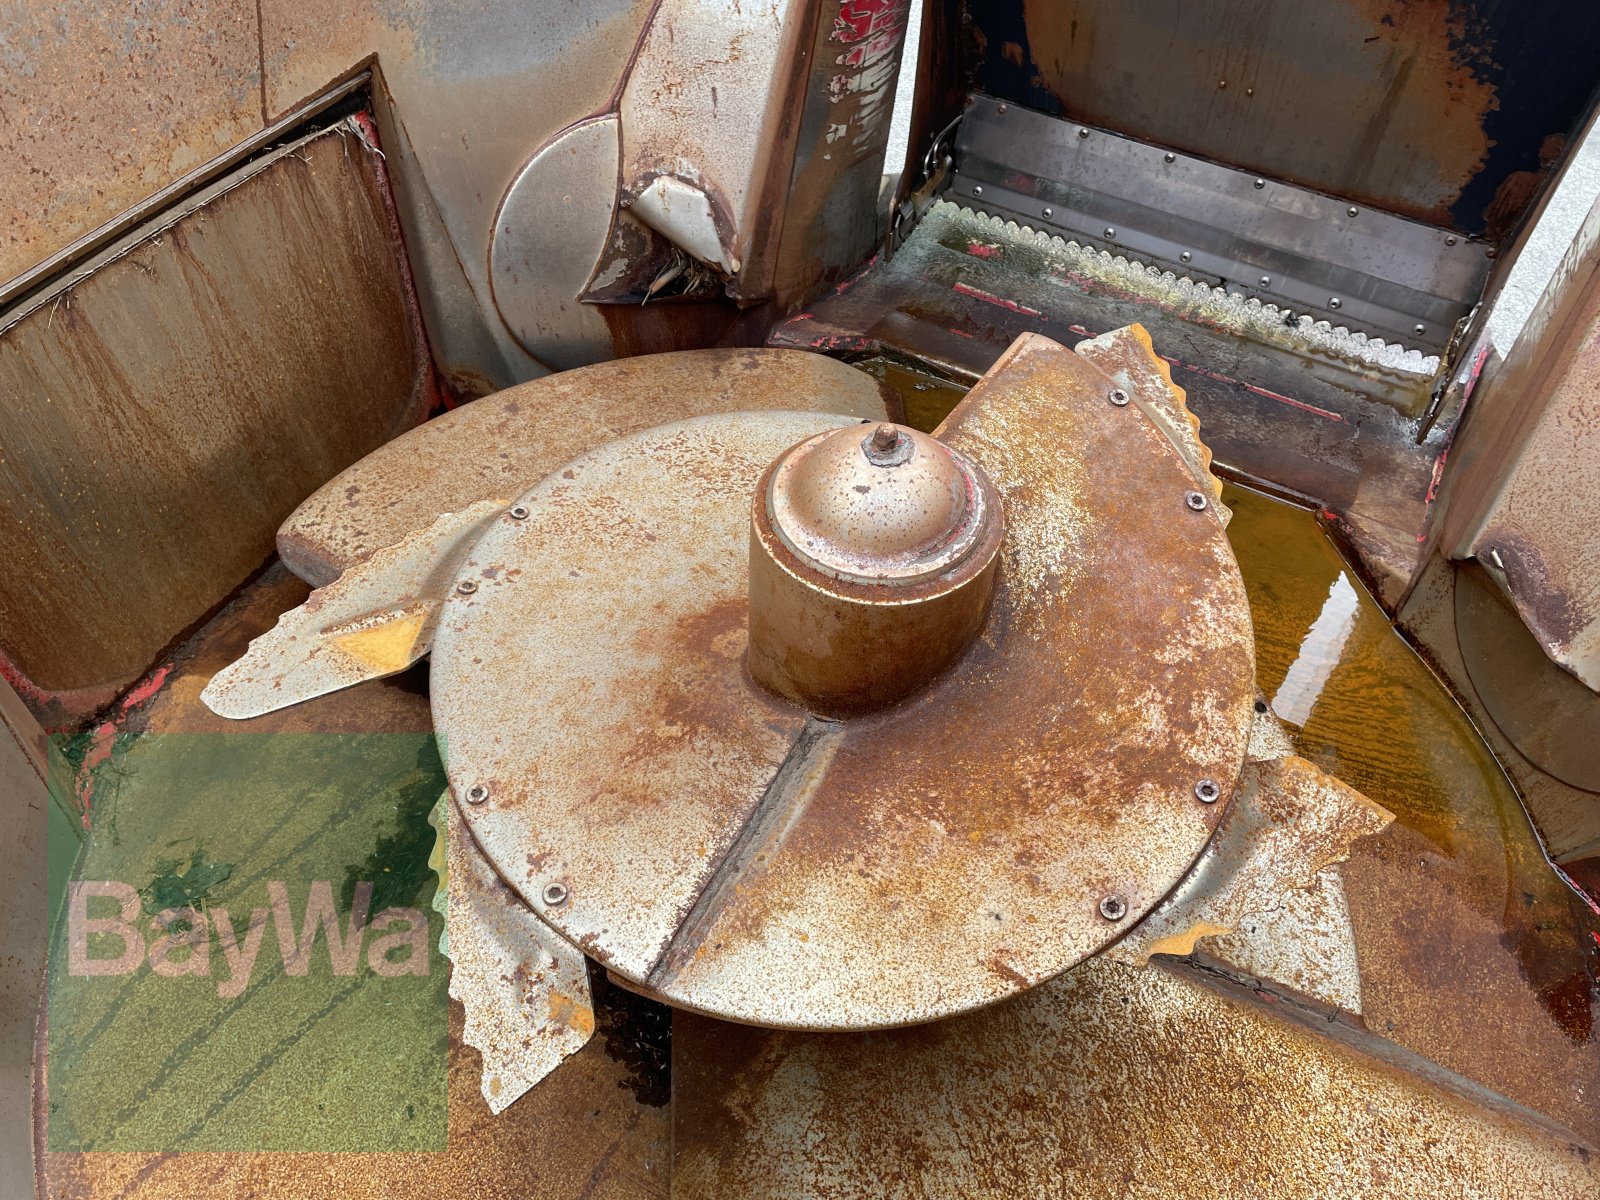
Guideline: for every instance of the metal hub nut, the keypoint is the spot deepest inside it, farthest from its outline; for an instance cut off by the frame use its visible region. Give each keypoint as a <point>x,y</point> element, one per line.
<point>871,566</point>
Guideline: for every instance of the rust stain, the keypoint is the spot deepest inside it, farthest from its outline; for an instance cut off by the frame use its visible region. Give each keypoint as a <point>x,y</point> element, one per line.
<point>1460,924</point>
<point>1111,1081</point>
<point>104,107</point>
<point>1395,115</point>
<point>504,443</point>
<point>631,815</point>
<point>1288,821</point>
<point>1161,692</point>
<point>211,348</point>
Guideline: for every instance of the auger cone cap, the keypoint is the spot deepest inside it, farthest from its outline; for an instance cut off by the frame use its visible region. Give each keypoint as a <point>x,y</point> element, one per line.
<point>872,563</point>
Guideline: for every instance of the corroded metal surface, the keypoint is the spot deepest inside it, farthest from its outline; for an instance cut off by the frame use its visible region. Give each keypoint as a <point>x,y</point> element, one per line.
<point>524,991</point>
<point>864,883</point>
<point>1288,821</point>
<point>707,104</point>
<point>1318,413</point>
<point>1129,357</point>
<point>502,444</point>
<point>1070,741</point>
<point>1444,110</point>
<point>616,764</point>
<point>1474,954</point>
<point>831,216</point>
<point>1520,494</point>
<point>1305,948</point>
<point>104,106</point>
<point>445,67</point>
<point>1110,1081</point>
<point>376,619</point>
<point>217,371</point>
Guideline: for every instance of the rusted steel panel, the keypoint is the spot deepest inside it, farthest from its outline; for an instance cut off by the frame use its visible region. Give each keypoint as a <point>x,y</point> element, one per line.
<point>1110,1081</point>
<point>1539,720</point>
<point>445,69</point>
<point>1539,539</point>
<point>1318,414</point>
<point>105,105</point>
<point>1287,822</point>
<point>1129,357</point>
<point>707,106</point>
<point>36,826</point>
<point>1450,111</point>
<point>1046,799</point>
<point>1519,490</point>
<point>169,408</point>
<point>503,444</point>
<point>614,765</point>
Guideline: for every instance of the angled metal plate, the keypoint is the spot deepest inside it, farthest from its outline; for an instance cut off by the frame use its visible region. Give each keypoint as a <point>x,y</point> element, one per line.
<point>524,990</point>
<point>375,620</point>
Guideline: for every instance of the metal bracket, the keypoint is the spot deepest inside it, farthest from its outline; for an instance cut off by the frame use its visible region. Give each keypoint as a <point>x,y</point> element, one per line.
<point>936,164</point>
<point>1369,271</point>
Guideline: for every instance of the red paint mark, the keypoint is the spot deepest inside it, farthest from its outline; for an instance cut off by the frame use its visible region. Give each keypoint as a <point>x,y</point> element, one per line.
<point>1433,491</point>
<point>1589,900</point>
<point>21,684</point>
<point>1082,332</point>
<point>1259,391</point>
<point>985,250</point>
<point>1478,359</point>
<point>839,341</point>
<point>998,301</point>
<point>960,332</point>
<point>147,690</point>
<point>840,289</point>
<point>1290,400</point>
<point>105,738</point>
<point>880,20</point>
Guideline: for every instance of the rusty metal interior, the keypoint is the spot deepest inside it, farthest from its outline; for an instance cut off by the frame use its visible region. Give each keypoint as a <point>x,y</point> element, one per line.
<point>1206,804</point>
